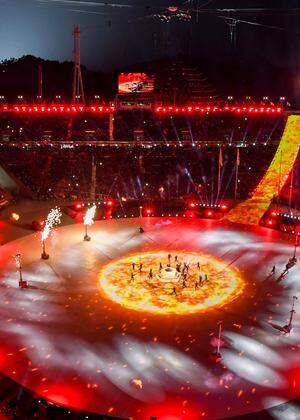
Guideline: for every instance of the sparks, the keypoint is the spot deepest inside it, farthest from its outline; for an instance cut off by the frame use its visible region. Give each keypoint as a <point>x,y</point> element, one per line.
<point>53,219</point>
<point>17,258</point>
<point>88,219</point>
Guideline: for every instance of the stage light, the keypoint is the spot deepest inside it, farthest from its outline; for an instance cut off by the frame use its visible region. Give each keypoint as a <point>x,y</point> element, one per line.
<point>78,206</point>
<point>223,207</point>
<point>15,217</point>
<point>38,225</point>
<point>65,108</point>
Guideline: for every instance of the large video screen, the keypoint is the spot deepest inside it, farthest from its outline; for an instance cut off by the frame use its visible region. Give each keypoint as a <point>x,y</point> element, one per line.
<point>135,83</point>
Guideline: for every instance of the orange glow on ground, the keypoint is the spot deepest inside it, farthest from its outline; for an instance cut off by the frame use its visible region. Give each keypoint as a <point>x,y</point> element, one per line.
<point>164,293</point>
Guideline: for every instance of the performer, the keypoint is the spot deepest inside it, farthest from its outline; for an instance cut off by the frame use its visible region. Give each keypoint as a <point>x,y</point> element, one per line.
<point>133,266</point>
<point>198,265</point>
<point>140,269</point>
<point>196,285</point>
<point>200,279</point>
<point>176,258</point>
<point>174,291</point>
<point>169,258</point>
<point>160,266</point>
<point>273,270</point>
<point>150,274</point>
<point>292,261</point>
<point>186,267</point>
<point>132,277</point>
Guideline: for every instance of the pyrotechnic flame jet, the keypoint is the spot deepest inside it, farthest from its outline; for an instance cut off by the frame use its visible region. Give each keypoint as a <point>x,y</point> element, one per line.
<point>53,219</point>
<point>88,220</point>
<point>89,216</point>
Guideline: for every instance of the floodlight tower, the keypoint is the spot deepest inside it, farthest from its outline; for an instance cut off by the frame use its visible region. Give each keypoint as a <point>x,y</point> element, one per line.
<point>78,92</point>
<point>40,83</point>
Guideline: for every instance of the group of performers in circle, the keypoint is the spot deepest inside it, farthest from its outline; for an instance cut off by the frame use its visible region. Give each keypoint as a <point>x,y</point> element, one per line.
<point>183,274</point>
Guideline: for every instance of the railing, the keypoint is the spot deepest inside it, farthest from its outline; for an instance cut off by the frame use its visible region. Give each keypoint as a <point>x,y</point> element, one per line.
<point>62,144</point>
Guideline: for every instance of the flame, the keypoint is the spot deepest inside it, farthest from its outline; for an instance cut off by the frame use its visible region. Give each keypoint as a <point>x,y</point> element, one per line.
<point>89,216</point>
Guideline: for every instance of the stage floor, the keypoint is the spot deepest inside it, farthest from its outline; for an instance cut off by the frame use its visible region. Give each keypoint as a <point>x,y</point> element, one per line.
<point>75,339</point>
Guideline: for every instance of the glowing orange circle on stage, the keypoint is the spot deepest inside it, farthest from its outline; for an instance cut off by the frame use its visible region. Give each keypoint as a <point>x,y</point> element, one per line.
<point>165,291</point>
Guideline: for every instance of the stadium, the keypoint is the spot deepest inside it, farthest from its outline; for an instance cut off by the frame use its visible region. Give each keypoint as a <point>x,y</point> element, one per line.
<point>148,240</point>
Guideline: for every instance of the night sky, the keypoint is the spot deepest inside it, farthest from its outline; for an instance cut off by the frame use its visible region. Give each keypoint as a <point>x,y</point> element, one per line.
<point>129,32</point>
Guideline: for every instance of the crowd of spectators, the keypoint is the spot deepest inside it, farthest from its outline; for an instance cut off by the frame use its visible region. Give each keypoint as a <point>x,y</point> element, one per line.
<point>161,158</point>
<point>163,173</point>
<point>130,126</point>
<point>218,128</point>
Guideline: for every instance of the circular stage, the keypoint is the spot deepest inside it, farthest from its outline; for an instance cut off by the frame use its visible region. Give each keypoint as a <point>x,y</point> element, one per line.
<point>127,323</point>
<point>170,282</point>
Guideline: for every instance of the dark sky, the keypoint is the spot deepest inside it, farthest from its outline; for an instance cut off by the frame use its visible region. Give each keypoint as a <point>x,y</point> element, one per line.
<point>127,32</point>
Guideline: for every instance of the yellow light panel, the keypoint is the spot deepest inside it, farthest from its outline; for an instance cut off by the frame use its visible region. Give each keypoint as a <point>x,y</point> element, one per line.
<point>252,210</point>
